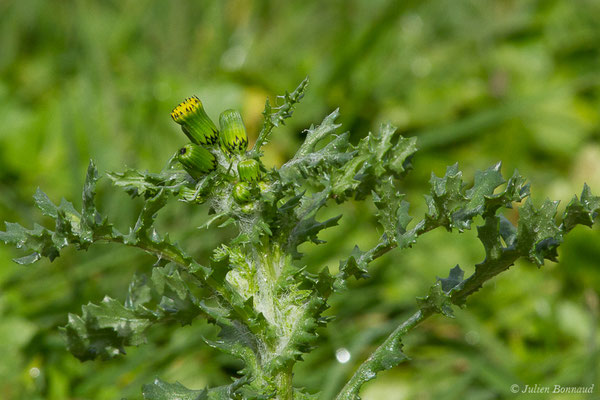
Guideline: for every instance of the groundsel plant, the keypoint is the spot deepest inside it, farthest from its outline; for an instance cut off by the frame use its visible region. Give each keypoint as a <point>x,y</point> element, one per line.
<point>255,288</point>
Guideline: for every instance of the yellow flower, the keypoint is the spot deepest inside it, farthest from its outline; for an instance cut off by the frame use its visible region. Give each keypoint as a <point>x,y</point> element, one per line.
<point>194,122</point>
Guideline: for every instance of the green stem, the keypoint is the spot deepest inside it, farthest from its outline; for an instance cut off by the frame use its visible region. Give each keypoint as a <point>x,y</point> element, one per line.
<point>285,389</point>
<point>483,272</point>
<point>385,247</point>
<point>367,370</point>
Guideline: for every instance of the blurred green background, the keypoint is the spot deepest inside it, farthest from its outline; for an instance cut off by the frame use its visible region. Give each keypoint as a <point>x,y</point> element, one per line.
<point>476,81</point>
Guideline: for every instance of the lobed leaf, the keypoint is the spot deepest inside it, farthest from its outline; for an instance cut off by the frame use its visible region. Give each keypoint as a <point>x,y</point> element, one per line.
<point>454,279</point>
<point>355,265</point>
<point>581,211</point>
<point>451,205</point>
<point>236,339</point>
<point>71,227</point>
<point>437,301</point>
<point>104,330</point>
<point>381,154</point>
<point>146,184</point>
<point>161,390</point>
<point>275,116</point>
<point>538,235</point>
<point>315,165</point>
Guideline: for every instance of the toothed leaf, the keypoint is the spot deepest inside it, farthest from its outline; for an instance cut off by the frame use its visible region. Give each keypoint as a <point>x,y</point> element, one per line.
<point>161,390</point>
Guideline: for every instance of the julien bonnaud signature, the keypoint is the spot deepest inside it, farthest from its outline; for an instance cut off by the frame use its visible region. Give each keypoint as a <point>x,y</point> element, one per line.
<point>557,389</point>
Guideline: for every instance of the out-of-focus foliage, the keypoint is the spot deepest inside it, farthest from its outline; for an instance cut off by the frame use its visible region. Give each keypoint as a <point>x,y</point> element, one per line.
<point>476,82</point>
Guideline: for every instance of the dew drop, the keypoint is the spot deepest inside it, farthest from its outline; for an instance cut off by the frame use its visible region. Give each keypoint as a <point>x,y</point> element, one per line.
<point>342,355</point>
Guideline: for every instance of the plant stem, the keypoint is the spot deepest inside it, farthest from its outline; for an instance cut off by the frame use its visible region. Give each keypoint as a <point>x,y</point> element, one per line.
<point>285,389</point>
<point>484,271</point>
<point>371,365</point>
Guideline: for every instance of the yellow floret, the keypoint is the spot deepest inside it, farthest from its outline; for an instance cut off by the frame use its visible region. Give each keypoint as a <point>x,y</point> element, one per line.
<point>185,108</point>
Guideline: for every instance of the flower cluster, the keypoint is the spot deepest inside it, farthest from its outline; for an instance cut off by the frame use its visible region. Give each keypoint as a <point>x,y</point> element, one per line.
<point>201,156</point>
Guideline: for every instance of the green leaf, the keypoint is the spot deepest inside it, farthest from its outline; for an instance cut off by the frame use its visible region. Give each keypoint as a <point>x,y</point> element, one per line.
<point>89,215</point>
<point>401,155</point>
<point>315,135</point>
<point>38,240</point>
<point>404,237</point>
<point>508,232</point>
<point>176,300</point>
<point>387,199</point>
<point>515,191</point>
<point>437,301</point>
<point>307,229</point>
<point>105,330</point>
<point>379,155</point>
<point>538,235</point>
<point>451,205</point>
<point>147,184</point>
<point>161,390</point>
<point>316,165</point>
<point>30,259</point>
<point>392,156</point>
<point>393,214</point>
<point>296,220</point>
<point>322,283</point>
<point>275,116</point>
<point>489,234</point>
<point>393,357</point>
<point>71,226</point>
<point>236,339</point>
<point>447,194</point>
<point>356,265</point>
<point>304,333</point>
<point>454,279</point>
<point>485,184</point>
<point>387,356</point>
<point>91,223</point>
<point>197,193</point>
<point>143,228</point>
<point>582,211</point>
<point>42,201</point>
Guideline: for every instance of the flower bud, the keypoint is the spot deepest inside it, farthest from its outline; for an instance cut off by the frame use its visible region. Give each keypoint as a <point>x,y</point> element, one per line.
<point>196,160</point>
<point>249,170</point>
<point>241,193</point>
<point>264,186</point>
<point>248,208</point>
<point>233,132</point>
<point>194,122</point>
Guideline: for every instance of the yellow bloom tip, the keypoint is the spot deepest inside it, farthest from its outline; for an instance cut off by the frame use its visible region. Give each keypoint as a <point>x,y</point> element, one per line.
<point>185,108</point>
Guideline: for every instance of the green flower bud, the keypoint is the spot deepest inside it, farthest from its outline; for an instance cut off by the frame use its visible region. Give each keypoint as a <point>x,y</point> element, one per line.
<point>194,122</point>
<point>196,160</point>
<point>264,186</point>
<point>248,208</point>
<point>241,193</point>
<point>249,170</point>
<point>233,132</point>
